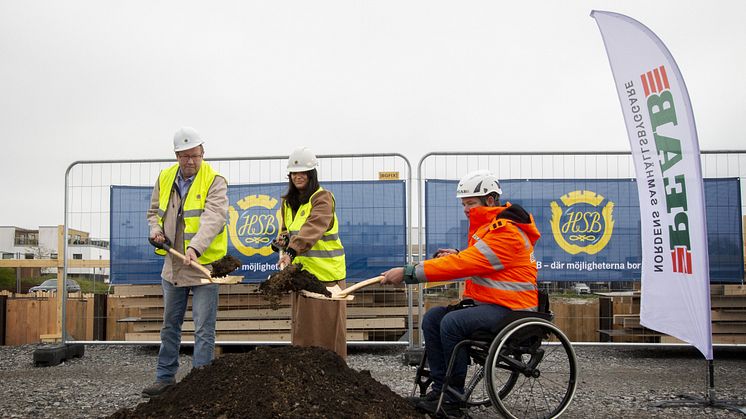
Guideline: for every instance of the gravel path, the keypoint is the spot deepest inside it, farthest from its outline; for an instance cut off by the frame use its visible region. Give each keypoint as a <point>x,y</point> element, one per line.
<point>614,382</point>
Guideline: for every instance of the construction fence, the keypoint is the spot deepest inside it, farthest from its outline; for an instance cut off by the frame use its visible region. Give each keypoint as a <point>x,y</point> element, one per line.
<point>585,205</point>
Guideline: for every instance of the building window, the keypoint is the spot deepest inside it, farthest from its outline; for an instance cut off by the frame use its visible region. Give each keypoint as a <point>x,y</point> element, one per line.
<point>77,256</point>
<point>28,256</point>
<point>53,255</point>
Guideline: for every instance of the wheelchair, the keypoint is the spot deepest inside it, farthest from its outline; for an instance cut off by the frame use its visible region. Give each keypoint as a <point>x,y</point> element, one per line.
<point>526,367</point>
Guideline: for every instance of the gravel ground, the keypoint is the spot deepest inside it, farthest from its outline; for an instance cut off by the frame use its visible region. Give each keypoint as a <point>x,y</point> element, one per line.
<point>614,382</point>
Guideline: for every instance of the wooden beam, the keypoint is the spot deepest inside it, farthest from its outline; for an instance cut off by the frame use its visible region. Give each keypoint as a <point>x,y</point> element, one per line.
<point>52,263</point>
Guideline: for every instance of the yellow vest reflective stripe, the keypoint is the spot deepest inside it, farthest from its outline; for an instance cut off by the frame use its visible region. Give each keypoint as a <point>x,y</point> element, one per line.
<point>193,206</point>
<point>326,258</point>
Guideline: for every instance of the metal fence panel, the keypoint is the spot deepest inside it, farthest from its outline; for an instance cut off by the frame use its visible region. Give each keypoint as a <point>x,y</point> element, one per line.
<point>106,203</point>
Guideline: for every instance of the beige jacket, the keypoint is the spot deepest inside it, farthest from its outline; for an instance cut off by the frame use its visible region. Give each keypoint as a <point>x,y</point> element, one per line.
<point>318,222</point>
<point>211,222</point>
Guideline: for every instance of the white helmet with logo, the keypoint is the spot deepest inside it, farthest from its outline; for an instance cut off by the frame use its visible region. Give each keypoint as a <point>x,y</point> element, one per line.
<point>302,160</point>
<point>478,184</point>
<point>186,138</point>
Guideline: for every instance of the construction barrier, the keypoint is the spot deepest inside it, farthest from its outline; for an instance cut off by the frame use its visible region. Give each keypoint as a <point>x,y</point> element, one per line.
<point>376,207</point>
<point>109,200</point>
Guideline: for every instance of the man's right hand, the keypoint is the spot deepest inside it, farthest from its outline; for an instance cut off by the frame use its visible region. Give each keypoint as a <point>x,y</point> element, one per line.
<point>444,252</point>
<point>158,238</point>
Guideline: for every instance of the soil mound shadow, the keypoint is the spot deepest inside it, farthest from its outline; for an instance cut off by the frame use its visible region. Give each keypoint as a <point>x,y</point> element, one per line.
<point>281,382</point>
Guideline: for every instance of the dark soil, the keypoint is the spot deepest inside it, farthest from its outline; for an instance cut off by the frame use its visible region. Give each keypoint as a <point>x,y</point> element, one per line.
<point>225,266</point>
<point>280,382</point>
<point>292,278</point>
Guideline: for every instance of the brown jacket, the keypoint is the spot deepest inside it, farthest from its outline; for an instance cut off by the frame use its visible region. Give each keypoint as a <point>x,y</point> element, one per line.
<point>211,222</point>
<point>319,221</point>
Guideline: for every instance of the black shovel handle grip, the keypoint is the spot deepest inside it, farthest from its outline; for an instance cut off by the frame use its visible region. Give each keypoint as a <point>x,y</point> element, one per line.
<point>166,245</point>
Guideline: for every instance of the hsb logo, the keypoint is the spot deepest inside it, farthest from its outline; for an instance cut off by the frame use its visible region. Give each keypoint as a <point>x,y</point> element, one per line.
<point>253,229</point>
<point>581,225</point>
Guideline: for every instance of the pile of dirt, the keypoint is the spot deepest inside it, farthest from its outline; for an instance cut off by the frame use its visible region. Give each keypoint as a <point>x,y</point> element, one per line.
<point>292,278</point>
<point>281,382</point>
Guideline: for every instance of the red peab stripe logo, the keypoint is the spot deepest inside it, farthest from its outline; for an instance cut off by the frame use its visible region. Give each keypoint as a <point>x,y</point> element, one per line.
<point>655,81</point>
<point>682,260</point>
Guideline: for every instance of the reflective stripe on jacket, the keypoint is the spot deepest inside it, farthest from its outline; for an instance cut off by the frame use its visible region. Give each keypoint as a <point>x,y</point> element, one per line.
<point>193,207</point>
<point>499,262</point>
<point>326,258</point>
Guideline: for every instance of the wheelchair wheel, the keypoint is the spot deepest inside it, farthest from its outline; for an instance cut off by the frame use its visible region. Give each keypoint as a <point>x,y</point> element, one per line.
<point>531,370</point>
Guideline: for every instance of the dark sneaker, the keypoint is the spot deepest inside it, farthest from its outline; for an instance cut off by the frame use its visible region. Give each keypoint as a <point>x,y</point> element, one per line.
<point>156,389</point>
<point>448,408</point>
<point>430,396</point>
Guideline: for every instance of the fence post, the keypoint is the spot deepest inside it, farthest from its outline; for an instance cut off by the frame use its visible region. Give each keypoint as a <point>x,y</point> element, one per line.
<point>99,316</point>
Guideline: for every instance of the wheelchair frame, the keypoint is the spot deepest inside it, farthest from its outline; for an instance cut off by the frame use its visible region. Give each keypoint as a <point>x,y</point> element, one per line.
<point>517,347</point>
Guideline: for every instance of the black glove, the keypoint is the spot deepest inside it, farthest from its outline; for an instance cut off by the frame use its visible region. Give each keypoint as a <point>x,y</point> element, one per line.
<point>279,243</point>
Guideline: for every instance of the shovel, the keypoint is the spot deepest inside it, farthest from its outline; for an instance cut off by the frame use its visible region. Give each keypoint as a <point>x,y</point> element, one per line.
<point>234,279</point>
<point>343,294</point>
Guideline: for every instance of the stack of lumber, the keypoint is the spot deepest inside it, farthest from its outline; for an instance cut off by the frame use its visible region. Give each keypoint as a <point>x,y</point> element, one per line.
<point>135,314</point>
<point>728,312</point>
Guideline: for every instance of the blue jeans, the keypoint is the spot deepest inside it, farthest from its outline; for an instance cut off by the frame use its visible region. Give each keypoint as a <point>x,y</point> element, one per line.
<point>443,330</point>
<point>204,312</point>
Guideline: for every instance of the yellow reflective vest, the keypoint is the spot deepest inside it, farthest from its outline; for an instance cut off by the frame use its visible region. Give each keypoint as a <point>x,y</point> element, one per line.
<point>192,207</point>
<point>326,258</point>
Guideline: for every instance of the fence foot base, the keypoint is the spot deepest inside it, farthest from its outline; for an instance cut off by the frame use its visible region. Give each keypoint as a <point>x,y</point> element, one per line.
<point>51,355</point>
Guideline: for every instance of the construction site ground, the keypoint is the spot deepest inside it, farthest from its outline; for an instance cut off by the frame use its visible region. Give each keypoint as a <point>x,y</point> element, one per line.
<point>613,382</point>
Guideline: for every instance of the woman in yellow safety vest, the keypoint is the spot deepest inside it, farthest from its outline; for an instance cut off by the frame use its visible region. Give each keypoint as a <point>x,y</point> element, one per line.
<point>309,234</point>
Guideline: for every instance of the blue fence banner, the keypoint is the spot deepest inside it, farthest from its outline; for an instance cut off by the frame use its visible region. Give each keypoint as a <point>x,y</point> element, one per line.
<point>590,228</point>
<point>372,228</point>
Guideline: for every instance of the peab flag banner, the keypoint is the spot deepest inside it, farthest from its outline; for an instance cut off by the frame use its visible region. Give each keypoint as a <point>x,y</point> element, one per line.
<point>660,124</point>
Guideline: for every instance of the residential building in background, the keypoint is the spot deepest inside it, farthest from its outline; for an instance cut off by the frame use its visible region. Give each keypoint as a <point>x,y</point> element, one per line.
<point>22,243</point>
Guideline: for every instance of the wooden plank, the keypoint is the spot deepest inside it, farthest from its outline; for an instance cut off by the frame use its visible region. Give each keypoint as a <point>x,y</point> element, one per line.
<point>242,337</point>
<point>89,316</point>
<point>376,323</point>
<point>734,290</point>
<point>728,315</point>
<point>619,318</point>
<point>727,301</point>
<point>252,325</point>
<point>12,316</point>
<point>729,327</point>
<point>577,318</point>
<point>631,322</point>
<point>729,339</point>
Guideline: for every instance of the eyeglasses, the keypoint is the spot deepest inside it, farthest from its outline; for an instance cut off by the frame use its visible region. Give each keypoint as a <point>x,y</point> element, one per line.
<point>186,158</point>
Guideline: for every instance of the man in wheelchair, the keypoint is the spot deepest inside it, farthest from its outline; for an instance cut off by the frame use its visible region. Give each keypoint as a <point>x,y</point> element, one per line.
<point>500,271</point>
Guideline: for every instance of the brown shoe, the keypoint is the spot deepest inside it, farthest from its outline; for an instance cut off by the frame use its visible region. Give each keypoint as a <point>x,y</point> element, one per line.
<point>156,389</point>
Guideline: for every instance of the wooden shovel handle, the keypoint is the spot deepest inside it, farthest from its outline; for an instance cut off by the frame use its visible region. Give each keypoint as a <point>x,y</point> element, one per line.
<point>192,263</point>
<point>359,285</point>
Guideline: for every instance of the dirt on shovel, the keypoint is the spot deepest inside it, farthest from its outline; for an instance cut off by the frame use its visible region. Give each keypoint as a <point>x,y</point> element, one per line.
<point>292,278</point>
<point>225,266</point>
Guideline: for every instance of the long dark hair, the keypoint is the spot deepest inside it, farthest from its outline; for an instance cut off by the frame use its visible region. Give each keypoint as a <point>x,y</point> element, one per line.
<point>295,197</point>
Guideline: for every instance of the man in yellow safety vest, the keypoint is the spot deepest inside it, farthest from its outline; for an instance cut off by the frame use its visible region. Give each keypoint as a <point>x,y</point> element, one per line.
<point>188,207</point>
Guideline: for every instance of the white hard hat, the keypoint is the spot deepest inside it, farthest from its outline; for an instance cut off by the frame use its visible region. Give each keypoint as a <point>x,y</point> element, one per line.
<point>302,160</point>
<point>186,138</point>
<point>478,184</point>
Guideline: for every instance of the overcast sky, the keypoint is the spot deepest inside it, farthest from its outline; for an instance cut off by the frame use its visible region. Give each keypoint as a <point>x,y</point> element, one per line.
<point>94,80</point>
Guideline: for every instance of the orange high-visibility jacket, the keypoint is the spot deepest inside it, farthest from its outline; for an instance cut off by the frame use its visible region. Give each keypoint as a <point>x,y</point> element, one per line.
<point>499,262</point>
